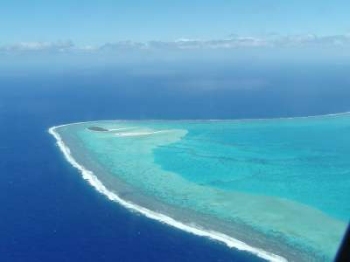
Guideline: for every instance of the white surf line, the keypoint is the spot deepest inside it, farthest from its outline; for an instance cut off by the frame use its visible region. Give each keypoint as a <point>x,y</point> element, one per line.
<point>199,120</point>
<point>120,129</point>
<point>140,133</point>
<point>272,118</point>
<point>109,130</point>
<point>303,117</point>
<point>97,184</point>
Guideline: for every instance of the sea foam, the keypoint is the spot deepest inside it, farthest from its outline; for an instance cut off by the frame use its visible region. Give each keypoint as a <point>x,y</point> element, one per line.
<point>97,184</point>
<point>141,133</point>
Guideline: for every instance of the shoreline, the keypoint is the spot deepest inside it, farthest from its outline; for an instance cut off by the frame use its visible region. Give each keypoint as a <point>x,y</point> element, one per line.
<point>165,219</point>
<point>232,230</point>
<point>208,120</point>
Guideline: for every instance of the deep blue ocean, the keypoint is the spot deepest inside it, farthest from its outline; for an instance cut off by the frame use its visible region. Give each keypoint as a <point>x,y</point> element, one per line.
<point>49,213</point>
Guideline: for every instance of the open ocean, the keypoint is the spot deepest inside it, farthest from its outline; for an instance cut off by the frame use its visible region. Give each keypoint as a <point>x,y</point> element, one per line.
<point>49,213</point>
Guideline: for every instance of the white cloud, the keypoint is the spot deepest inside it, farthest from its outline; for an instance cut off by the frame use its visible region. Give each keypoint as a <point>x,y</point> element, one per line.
<point>39,47</point>
<point>123,45</point>
<point>313,40</point>
<point>235,42</point>
<point>232,42</point>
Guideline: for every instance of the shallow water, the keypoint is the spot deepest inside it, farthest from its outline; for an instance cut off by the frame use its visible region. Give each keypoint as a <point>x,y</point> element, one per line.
<point>284,179</point>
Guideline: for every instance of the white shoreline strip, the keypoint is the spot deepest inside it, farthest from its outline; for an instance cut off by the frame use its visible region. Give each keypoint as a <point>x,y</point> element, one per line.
<point>124,134</point>
<point>97,184</point>
<point>120,129</point>
<point>213,119</point>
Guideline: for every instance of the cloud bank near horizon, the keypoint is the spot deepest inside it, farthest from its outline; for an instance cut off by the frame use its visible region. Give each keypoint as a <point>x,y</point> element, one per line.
<point>230,43</point>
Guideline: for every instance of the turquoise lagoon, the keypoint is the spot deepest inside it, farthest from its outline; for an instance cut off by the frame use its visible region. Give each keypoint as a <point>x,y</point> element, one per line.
<point>281,186</point>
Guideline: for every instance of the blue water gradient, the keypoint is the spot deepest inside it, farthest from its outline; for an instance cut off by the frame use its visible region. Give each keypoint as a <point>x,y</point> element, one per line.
<point>48,213</point>
<point>305,160</point>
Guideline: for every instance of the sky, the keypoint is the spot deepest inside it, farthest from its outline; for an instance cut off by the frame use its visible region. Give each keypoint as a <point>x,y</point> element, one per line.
<point>247,41</point>
<point>70,25</point>
<point>94,22</point>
